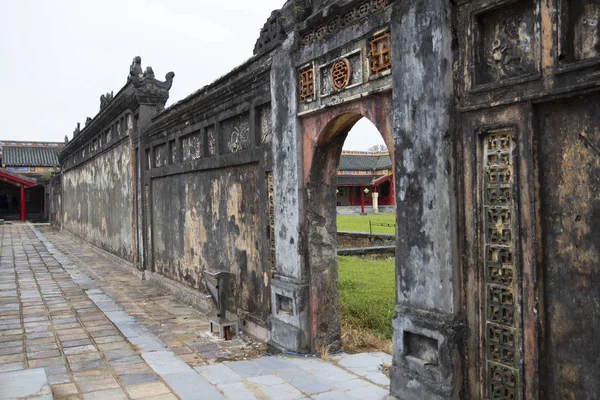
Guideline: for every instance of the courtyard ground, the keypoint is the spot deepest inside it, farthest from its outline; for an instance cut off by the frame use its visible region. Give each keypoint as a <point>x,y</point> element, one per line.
<point>367,294</point>
<point>360,223</point>
<point>75,325</point>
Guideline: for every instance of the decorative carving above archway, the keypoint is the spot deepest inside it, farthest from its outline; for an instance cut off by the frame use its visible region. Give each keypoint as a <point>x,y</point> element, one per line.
<point>340,73</point>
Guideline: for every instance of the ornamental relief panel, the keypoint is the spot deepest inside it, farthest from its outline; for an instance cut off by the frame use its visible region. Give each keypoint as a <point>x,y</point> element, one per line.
<point>506,43</point>
<point>191,147</point>
<point>211,141</point>
<point>580,30</point>
<point>236,134</point>
<point>265,125</point>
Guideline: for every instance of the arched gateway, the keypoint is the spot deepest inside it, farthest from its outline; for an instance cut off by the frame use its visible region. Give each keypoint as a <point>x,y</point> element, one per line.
<point>490,111</point>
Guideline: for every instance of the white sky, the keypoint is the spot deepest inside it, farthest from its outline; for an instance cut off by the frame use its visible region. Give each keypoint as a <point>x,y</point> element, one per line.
<point>58,57</point>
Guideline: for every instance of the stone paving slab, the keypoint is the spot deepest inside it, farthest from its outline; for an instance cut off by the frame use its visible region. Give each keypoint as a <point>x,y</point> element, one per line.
<point>95,334</point>
<point>25,384</point>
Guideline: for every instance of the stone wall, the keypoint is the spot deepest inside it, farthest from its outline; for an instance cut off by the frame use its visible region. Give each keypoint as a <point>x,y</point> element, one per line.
<point>490,111</point>
<point>98,201</point>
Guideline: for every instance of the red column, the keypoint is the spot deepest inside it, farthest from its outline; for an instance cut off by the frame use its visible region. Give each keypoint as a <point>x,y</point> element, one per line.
<point>362,201</point>
<point>22,202</point>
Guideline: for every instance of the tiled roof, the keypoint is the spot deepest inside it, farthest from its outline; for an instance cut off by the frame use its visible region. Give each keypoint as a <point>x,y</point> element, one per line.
<point>356,180</point>
<point>359,162</point>
<point>18,156</point>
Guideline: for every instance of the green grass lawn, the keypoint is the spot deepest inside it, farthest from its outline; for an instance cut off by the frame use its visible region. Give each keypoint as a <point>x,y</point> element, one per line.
<point>360,223</point>
<point>367,293</point>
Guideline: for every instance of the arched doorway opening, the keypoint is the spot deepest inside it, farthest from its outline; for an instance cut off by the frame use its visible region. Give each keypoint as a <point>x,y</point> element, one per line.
<point>324,137</point>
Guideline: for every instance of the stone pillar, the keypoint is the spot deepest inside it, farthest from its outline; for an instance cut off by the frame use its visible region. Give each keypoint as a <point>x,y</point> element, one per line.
<point>289,287</point>
<point>427,327</point>
<point>375,202</point>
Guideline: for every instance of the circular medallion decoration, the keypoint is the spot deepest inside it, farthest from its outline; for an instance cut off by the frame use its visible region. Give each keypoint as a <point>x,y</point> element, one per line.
<point>340,74</point>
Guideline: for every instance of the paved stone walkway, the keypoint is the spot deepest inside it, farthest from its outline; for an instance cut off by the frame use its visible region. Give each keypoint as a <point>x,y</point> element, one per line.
<point>74,325</point>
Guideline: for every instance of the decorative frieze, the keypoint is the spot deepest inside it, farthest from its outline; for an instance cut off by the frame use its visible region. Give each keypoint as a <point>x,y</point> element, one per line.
<point>501,299</point>
<point>341,21</point>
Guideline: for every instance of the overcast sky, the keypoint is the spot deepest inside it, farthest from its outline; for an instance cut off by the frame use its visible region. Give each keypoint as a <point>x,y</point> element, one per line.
<point>58,57</point>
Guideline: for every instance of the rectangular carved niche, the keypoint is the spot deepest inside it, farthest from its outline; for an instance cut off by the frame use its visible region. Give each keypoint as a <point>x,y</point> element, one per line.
<point>580,30</point>
<point>421,347</point>
<point>236,134</point>
<point>501,323</point>
<point>506,43</point>
<point>285,304</point>
<point>341,74</point>
<point>191,147</point>
<point>172,152</point>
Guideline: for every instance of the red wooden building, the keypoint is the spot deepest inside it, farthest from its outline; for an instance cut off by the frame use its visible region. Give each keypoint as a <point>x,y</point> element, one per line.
<point>358,171</point>
<point>26,167</point>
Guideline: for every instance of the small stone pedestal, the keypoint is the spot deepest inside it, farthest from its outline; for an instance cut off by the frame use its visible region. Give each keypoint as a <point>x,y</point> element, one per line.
<point>375,202</point>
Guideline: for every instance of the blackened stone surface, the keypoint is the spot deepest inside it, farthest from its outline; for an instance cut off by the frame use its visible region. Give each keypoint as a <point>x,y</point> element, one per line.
<point>570,201</point>
<point>423,100</point>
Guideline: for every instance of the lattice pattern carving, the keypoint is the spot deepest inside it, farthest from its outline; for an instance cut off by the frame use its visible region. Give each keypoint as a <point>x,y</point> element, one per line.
<point>340,74</point>
<point>380,53</point>
<point>501,323</point>
<point>338,22</point>
<point>307,83</point>
<point>502,383</point>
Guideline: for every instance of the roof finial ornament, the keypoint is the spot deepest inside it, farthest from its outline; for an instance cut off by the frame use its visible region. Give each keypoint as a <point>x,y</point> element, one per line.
<point>135,71</point>
<point>66,139</point>
<point>77,130</point>
<point>105,99</point>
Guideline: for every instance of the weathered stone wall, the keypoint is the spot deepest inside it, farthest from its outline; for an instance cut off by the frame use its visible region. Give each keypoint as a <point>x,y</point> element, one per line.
<point>207,176</point>
<point>212,220</point>
<point>570,204</point>
<point>54,197</point>
<point>98,201</point>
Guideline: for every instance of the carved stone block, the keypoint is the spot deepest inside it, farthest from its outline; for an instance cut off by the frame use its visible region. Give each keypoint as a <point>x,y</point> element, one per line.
<point>506,43</point>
